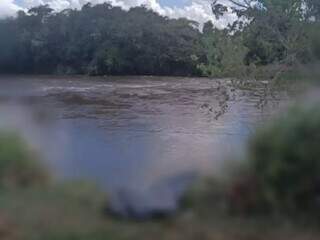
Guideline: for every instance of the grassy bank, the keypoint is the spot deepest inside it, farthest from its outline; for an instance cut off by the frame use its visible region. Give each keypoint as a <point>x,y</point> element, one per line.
<point>58,214</point>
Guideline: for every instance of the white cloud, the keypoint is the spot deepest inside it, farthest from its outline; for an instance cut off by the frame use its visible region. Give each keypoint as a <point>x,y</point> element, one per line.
<point>8,8</point>
<point>197,10</point>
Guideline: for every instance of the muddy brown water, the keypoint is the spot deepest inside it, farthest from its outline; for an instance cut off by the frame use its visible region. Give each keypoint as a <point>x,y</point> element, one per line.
<point>142,139</point>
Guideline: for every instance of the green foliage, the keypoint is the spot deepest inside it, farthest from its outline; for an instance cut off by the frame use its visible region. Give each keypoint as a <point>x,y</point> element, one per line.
<point>225,54</point>
<point>97,40</point>
<point>279,178</point>
<point>103,39</point>
<point>284,158</point>
<point>268,32</point>
<point>19,166</point>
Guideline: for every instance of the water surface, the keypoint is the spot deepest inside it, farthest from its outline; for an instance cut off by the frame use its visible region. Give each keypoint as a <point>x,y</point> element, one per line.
<point>142,139</point>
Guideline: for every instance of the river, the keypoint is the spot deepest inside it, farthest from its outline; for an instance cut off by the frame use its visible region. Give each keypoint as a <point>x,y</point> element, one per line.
<point>141,139</point>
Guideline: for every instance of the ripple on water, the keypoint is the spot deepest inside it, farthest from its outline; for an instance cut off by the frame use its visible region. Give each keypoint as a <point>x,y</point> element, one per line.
<point>142,139</point>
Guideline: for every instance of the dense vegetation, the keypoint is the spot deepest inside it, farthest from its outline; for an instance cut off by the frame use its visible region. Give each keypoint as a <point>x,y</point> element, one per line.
<point>98,40</point>
<point>279,34</point>
<point>269,38</point>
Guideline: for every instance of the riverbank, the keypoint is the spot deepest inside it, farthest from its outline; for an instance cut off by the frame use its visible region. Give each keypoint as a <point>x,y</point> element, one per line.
<point>109,115</point>
<point>76,212</point>
<point>80,210</point>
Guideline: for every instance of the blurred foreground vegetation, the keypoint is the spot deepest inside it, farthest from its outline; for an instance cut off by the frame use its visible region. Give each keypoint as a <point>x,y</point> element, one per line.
<point>19,165</point>
<point>272,194</point>
<point>278,178</point>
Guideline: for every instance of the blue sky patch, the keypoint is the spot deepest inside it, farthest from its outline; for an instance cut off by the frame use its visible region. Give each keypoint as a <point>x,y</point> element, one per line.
<point>174,3</point>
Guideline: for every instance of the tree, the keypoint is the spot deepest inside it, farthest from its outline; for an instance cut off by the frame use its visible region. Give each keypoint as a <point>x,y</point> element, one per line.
<point>224,53</point>
<point>273,31</point>
<point>99,39</point>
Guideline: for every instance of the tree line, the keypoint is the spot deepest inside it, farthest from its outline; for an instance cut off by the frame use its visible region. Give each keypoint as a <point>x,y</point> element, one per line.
<point>103,39</point>
<point>97,40</point>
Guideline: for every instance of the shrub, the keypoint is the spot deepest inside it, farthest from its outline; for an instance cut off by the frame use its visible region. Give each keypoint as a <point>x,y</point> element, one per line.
<point>19,166</point>
<point>280,176</point>
<point>285,162</point>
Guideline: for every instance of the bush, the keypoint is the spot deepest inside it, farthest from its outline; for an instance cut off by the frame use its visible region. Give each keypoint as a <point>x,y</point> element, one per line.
<point>281,175</point>
<point>285,162</point>
<point>19,166</point>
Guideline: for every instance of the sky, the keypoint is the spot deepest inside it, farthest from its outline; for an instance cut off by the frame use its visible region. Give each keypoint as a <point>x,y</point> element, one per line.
<point>197,10</point>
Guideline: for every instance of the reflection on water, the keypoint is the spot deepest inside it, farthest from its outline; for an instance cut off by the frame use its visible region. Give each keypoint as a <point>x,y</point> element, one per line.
<point>143,139</point>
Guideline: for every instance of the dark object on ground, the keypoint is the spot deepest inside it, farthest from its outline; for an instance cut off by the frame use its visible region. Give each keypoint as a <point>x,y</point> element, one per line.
<point>157,202</point>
